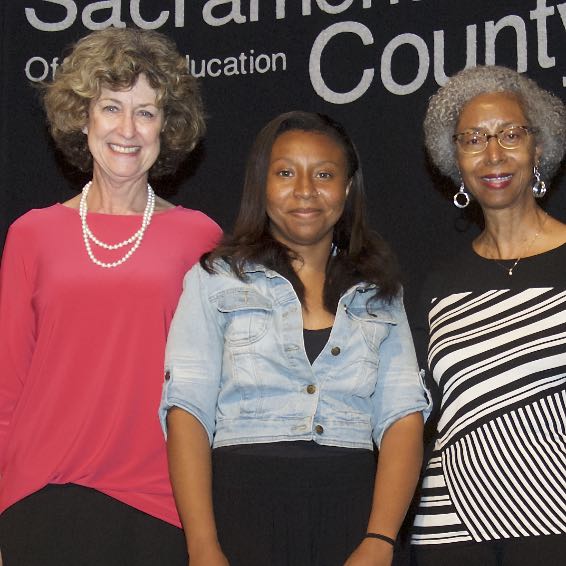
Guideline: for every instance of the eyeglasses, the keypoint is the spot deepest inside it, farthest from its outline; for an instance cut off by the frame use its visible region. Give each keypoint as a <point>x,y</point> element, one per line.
<point>513,137</point>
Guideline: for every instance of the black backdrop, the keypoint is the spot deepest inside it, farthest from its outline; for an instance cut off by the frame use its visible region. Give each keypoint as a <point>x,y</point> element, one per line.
<point>372,64</point>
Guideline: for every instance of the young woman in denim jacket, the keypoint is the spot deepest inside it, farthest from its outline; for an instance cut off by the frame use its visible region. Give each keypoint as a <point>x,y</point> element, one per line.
<point>290,355</point>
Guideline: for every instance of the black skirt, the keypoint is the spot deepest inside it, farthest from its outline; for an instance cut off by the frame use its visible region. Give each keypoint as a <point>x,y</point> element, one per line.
<point>72,525</point>
<point>291,503</point>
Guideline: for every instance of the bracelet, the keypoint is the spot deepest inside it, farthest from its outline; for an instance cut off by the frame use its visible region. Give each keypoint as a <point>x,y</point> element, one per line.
<point>381,537</point>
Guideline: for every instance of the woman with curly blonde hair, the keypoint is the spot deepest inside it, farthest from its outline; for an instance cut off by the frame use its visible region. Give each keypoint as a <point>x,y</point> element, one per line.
<point>87,291</point>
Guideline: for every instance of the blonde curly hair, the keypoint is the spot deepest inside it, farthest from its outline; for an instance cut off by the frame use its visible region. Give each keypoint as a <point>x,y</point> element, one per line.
<point>114,58</point>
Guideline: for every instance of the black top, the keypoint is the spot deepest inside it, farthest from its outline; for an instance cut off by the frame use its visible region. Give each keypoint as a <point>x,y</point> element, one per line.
<point>495,348</point>
<point>315,340</point>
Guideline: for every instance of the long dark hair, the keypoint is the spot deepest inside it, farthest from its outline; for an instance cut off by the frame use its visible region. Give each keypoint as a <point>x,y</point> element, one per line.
<point>359,255</point>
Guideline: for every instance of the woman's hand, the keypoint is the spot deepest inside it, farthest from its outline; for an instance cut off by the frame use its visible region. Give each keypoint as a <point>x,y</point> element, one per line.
<point>190,469</point>
<point>398,468</point>
<point>371,552</point>
<point>209,555</point>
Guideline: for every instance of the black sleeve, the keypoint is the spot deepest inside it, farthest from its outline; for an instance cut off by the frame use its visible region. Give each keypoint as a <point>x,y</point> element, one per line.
<point>430,290</point>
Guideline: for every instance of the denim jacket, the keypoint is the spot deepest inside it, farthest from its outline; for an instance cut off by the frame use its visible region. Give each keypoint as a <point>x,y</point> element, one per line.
<point>236,360</point>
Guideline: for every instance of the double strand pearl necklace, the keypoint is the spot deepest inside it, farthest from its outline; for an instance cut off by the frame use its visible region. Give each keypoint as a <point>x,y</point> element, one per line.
<point>135,239</point>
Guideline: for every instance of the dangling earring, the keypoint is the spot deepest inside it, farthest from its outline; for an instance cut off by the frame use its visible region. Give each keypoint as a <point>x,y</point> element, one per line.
<point>539,188</point>
<point>462,198</point>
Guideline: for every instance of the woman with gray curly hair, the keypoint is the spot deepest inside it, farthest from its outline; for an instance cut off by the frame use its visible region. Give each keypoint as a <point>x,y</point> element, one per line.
<point>88,289</point>
<point>493,323</point>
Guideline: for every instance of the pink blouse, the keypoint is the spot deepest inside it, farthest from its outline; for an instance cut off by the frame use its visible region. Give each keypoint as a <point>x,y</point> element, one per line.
<point>81,353</point>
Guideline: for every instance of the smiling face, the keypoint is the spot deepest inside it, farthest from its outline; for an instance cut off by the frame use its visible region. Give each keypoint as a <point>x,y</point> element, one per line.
<point>498,178</point>
<point>307,186</point>
<point>123,132</point>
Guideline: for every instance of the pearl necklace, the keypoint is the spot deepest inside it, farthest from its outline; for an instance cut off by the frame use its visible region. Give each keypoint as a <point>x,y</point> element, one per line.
<point>135,239</point>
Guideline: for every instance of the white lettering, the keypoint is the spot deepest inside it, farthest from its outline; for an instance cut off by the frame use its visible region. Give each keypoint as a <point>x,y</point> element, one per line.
<point>231,66</point>
<point>235,14</point>
<point>491,31</point>
<point>192,68</point>
<point>540,13</point>
<point>424,62</point>
<point>279,10</point>
<point>242,65</point>
<point>144,24</point>
<point>562,12</point>
<point>179,13</point>
<point>317,81</point>
<point>242,59</point>
<point>254,10</point>
<point>283,59</point>
<point>331,9</point>
<point>44,67</point>
<point>67,22</point>
<point>262,68</point>
<point>54,65</point>
<point>439,49</point>
<point>113,20</point>
<point>209,67</point>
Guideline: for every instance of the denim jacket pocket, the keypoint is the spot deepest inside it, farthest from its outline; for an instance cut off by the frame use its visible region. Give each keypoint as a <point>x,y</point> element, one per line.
<point>247,315</point>
<point>374,323</point>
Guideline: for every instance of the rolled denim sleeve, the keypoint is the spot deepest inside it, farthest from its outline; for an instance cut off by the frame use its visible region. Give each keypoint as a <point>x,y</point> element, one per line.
<point>193,356</point>
<point>400,388</point>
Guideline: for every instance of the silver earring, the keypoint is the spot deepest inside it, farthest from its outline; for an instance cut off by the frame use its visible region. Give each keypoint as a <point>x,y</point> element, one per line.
<point>539,188</point>
<point>462,198</point>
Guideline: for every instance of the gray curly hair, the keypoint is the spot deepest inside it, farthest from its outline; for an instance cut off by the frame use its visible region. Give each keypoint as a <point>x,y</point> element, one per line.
<point>545,112</point>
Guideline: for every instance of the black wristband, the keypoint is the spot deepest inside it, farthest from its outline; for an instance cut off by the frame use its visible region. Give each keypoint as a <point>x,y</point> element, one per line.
<point>381,537</point>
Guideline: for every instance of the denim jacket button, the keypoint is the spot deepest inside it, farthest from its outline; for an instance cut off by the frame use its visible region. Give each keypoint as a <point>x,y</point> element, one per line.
<point>167,376</point>
<point>311,389</point>
<point>335,351</point>
<point>319,429</point>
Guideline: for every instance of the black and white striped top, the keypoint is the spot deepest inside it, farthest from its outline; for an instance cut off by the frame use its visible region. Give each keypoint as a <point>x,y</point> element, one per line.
<point>497,352</point>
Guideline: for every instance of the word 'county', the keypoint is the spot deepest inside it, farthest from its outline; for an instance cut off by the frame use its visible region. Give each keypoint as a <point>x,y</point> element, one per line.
<point>407,46</point>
